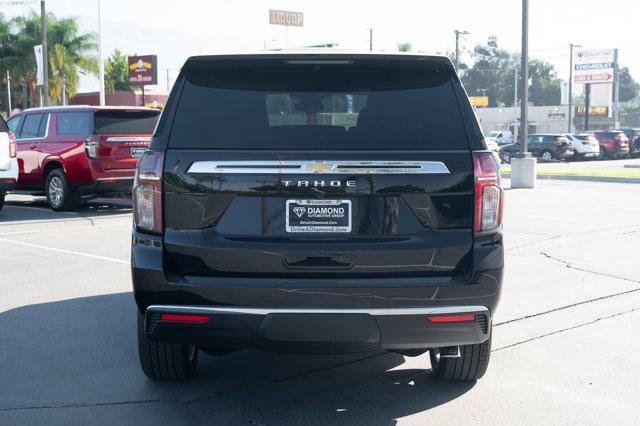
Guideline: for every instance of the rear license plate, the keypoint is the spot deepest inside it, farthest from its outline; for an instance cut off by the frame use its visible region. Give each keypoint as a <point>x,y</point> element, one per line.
<point>318,216</point>
<point>137,152</point>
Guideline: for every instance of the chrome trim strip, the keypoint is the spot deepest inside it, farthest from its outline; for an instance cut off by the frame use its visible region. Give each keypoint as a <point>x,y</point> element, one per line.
<point>116,178</point>
<point>212,310</point>
<point>128,139</point>
<point>319,167</point>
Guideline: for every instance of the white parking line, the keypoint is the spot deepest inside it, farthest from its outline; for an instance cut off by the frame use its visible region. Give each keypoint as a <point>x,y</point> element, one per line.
<point>94,256</point>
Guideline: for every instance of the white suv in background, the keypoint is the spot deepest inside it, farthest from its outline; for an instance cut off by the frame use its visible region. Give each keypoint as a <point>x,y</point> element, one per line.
<point>501,137</point>
<point>584,145</point>
<point>8,161</point>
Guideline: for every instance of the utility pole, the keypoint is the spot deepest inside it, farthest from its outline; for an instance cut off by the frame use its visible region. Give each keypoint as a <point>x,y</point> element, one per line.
<point>45,59</point>
<point>570,124</point>
<point>8,93</point>
<point>616,91</point>
<point>457,58</point>
<point>100,55</point>
<point>370,39</point>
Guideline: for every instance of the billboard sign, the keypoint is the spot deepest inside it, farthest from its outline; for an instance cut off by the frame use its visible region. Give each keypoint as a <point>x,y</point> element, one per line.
<point>143,70</point>
<point>594,111</point>
<point>286,17</point>
<point>593,66</point>
<point>479,101</point>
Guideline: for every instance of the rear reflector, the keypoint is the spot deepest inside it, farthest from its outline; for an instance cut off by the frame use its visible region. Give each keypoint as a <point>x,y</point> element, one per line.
<point>452,318</point>
<point>184,318</point>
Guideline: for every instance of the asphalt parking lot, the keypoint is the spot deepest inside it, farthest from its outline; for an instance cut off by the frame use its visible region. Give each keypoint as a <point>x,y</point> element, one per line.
<point>565,344</point>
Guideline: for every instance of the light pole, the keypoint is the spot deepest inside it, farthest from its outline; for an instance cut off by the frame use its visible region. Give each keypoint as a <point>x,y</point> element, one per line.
<point>457,58</point>
<point>571,46</point>
<point>524,89</point>
<point>370,39</point>
<point>45,59</point>
<point>100,55</point>
<point>523,167</point>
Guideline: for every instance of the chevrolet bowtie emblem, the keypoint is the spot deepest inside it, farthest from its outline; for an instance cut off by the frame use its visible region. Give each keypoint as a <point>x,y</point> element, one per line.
<point>320,167</point>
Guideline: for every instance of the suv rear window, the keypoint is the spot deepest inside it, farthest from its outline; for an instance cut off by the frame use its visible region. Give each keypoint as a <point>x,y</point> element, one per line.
<point>125,122</point>
<point>319,107</point>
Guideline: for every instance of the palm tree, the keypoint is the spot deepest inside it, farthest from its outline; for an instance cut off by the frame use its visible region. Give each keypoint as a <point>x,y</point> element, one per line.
<point>70,54</point>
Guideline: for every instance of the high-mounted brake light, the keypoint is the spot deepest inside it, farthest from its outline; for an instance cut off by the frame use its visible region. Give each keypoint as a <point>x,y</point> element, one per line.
<point>489,196</point>
<point>146,193</point>
<point>13,149</point>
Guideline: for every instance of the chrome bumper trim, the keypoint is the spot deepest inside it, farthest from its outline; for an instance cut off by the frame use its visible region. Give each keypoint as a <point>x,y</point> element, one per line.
<point>212,310</point>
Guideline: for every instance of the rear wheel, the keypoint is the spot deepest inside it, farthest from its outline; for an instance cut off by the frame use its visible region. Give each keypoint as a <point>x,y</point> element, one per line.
<point>60,196</point>
<point>547,155</point>
<point>1,201</point>
<point>165,361</point>
<point>470,366</point>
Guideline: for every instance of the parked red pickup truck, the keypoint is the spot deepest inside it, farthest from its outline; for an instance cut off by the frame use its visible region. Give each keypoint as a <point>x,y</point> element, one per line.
<point>74,151</point>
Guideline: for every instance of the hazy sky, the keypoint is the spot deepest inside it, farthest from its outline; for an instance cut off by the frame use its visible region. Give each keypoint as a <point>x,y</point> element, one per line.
<point>176,29</point>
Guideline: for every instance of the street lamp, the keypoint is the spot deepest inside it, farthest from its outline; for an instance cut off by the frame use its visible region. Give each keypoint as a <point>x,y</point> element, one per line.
<point>458,33</point>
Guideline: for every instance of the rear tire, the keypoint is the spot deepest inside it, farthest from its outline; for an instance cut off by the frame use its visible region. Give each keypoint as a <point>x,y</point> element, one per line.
<point>1,201</point>
<point>471,366</point>
<point>165,361</point>
<point>547,155</point>
<point>60,196</point>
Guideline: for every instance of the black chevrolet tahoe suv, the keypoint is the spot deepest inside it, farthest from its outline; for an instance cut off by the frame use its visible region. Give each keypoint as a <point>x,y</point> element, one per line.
<point>317,203</point>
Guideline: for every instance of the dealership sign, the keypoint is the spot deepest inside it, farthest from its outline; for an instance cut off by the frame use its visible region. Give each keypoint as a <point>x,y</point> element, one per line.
<point>594,66</point>
<point>479,101</point>
<point>594,111</point>
<point>286,17</point>
<point>143,70</point>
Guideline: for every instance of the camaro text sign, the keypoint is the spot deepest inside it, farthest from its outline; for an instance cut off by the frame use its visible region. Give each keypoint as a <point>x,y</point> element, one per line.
<point>285,17</point>
<point>593,66</point>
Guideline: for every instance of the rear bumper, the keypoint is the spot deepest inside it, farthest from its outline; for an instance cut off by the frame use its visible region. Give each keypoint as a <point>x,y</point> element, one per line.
<point>316,314</point>
<point>319,330</point>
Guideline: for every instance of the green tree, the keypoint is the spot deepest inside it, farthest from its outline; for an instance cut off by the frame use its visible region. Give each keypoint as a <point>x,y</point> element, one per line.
<point>493,74</point>
<point>116,74</point>
<point>629,88</point>
<point>70,53</point>
<point>405,47</point>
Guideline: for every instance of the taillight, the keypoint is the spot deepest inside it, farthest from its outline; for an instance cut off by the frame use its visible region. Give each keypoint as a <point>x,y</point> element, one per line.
<point>146,193</point>
<point>489,197</point>
<point>91,147</point>
<point>13,149</point>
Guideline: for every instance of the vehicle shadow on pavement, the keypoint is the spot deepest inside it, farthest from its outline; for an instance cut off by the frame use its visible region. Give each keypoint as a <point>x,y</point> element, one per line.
<point>75,359</point>
<point>37,209</point>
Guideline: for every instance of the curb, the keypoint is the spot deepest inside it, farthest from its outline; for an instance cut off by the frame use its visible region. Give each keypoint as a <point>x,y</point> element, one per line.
<point>609,179</point>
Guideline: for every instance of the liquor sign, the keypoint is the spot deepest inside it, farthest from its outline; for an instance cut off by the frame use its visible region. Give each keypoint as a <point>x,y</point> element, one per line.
<point>593,66</point>
<point>286,17</point>
<point>143,70</point>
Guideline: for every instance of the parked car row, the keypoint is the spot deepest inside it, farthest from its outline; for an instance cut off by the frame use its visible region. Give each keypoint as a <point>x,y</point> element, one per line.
<point>74,151</point>
<point>601,144</point>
